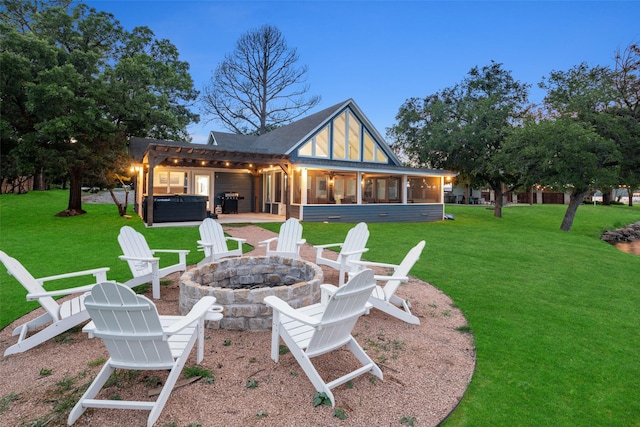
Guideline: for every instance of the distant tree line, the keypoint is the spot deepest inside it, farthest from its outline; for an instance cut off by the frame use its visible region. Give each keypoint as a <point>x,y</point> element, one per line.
<point>585,136</point>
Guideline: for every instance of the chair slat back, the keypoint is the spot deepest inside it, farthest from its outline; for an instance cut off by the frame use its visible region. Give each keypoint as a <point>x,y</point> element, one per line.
<point>356,240</point>
<point>129,325</point>
<point>403,269</point>
<point>134,244</point>
<point>343,309</point>
<point>290,235</point>
<point>30,283</point>
<point>211,232</point>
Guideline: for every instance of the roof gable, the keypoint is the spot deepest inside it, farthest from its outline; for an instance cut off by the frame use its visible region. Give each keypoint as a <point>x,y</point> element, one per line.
<point>288,139</point>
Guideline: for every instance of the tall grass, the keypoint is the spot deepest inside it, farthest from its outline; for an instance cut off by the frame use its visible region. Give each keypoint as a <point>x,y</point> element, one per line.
<point>555,315</point>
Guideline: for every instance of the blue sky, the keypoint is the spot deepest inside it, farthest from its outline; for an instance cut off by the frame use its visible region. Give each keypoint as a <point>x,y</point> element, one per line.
<point>381,53</point>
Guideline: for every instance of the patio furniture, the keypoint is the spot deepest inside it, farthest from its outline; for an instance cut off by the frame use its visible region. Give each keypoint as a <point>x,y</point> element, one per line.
<point>383,297</point>
<point>138,339</point>
<point>214,243</point>
<point>350,250</point>
<point>59,316</point>
<point>288,241</point>
<point>144,266</point>
<point>324,327</point>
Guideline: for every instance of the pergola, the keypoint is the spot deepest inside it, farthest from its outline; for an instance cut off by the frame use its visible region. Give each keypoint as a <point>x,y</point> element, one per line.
<point>179,154</point>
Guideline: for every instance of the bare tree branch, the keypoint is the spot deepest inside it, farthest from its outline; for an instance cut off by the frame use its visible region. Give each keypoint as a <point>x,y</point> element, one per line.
<point>258,86</point>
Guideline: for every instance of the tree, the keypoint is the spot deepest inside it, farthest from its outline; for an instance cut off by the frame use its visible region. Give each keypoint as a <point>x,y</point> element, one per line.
<point>463,127</point>
<point>626,78</point>
<point>79,85</point>
<point>563,154</point>
<point>258,87</point>
<point>596,96</point>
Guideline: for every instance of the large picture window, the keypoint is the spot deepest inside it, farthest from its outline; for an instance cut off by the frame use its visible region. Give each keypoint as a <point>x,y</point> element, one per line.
<point>424,190</point>
<point>381,189</point>
<point>169,182</point>
<point>344,138</point>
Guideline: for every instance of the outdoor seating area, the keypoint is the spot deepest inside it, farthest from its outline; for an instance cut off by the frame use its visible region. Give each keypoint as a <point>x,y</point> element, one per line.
<point>311,324</point>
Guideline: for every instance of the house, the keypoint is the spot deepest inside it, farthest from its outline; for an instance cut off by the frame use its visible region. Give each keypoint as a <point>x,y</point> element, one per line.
<point>330,166</point>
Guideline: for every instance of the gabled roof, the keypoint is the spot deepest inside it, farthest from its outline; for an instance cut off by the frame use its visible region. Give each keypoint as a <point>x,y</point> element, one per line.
<point>278,141</point>
<point>286,139</point>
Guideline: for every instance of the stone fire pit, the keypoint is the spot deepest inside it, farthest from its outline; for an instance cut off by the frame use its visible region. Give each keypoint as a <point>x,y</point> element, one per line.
<point>241,284</point>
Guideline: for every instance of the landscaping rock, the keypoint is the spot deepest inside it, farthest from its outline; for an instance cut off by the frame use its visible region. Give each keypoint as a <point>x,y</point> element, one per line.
<point>626,234</point>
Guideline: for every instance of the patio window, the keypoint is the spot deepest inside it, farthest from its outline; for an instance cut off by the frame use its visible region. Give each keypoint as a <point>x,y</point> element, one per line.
<point>297,186</point>
<point>317,187</point>
<point>344,188</point>
<point>381,189</point>
<point>424,190</point>
<point>170,182</point>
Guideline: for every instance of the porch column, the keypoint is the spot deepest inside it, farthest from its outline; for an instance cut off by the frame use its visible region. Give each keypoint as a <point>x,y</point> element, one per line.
<point>287,191</point>
<point>404,189</point>
<point>149,212</point>
<point>303,186</point>
<point>153,162</point>
<point>256,192</point>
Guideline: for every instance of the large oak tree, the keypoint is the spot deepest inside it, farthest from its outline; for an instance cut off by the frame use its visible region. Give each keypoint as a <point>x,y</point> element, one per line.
<point>563,154</point>
<point>77,85</point>
<point>463,128</point>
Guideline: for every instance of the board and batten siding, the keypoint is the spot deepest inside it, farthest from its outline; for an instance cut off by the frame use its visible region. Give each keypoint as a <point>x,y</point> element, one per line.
<point>241,183</point>
<point>373,213</point>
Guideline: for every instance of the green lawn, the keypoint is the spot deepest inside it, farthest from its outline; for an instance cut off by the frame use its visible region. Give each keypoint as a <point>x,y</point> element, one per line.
<point>555,315</point>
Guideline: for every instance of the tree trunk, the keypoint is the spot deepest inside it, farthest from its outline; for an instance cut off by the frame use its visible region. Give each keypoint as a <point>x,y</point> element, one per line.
<point>38,181</point>
<point>75,194</point>
<point>606,198</point>
<point>497,213</point>
<point>122,207</point>
<point>575,200</point>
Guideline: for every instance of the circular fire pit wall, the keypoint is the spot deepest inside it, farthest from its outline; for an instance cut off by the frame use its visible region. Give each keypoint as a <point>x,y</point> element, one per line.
<point>241,284</point>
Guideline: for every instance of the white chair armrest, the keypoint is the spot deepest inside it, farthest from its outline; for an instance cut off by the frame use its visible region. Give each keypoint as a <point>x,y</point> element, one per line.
<point>199,310</point>
<point>99,273</point>
<point>267,242</point>
<point>301,242</point>
<point>326,290</point>
<point>281,306</point>
<point>360,251</point>
<point>202,245</point>
<point>137,258</point>
<point>68,291</point>
<point>375,264</point>
<point>237,239</point>
<point>402,279</point>
<point>171,251</point>
<point>328,245</point>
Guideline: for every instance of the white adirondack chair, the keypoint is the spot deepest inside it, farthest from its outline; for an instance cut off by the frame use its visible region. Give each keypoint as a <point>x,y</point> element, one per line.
<point>289,240</point>
<point>383,297</point>
<point>137,338</point>
<point>214,243</point>
<point>144,266</point>
<point>321,328</point>
<point>60,317</point>
<point>351,250</point>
